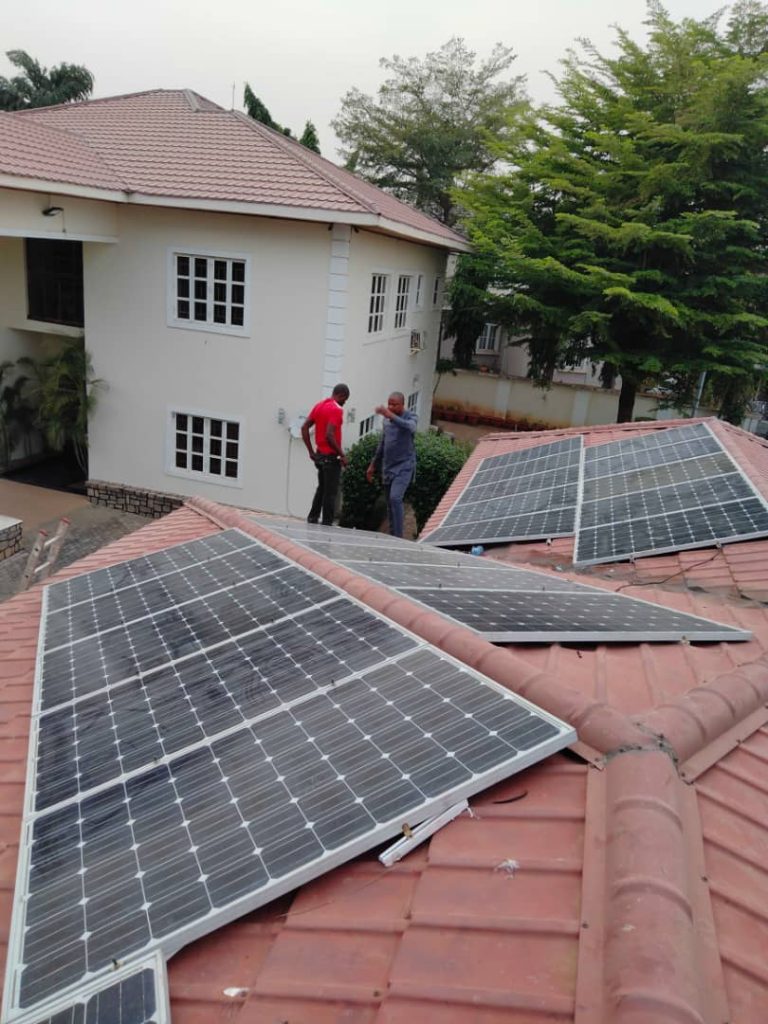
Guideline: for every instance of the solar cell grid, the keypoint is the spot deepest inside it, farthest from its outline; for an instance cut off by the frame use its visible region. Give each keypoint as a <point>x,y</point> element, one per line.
<point>496,602</point>
<point>521,495</point>
<point>691,494</point>
<point>133,648</point>
<point>104,581</point>
<point>156,852</point>
<point>119,731</point>
<point>132,999</point>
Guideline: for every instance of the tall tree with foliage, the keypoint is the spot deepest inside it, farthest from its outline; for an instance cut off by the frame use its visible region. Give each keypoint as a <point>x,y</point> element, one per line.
<point>429,123</point>
<point>37,86</point>
<point>258,111</point>
<point>630,224</point>
<point>309,137</point>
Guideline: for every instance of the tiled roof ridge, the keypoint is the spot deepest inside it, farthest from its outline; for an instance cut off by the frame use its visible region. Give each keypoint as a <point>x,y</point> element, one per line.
<point>31,111</point>
<point>293,147</point>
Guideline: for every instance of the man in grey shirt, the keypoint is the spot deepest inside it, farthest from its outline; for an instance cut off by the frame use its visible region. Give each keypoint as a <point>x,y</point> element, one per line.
<point>395,457</point>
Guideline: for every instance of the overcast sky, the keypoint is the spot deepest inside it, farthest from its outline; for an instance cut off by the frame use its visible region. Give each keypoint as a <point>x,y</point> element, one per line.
<point>301,56</point>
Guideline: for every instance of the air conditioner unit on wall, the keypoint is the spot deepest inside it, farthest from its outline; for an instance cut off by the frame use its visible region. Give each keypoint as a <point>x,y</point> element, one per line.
<point>418,341</point>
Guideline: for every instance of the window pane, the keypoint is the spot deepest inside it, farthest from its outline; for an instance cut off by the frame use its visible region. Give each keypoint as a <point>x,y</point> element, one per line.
<point>219,292</point>
<point>231,469</point>
<point>219,314</point>
<point>181,440</point>
<point>182,310</point>
<point>231,449</point>
<point>197,443</point>
<point>233,431</point>
<point>201,267</point>
<point>197,463</point>
<point>183,287</point>
<point>182,265</point>
<point>214,466</point>
<point>201,290</point>
<point>237,316</point>
<point>215,428</point>
<point>215,446</point>
<point>220,270</point>
<point>201,311</point>
<point>181,460</point>
<point>238,294</point>
<point>181,421</point>
<point>238,271</point>
<point>197,424</point>
<point>55,281</point>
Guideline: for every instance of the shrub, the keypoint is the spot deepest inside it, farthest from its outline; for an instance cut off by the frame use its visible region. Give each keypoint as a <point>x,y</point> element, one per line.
<point>359,498</point>
<point>438,460</point>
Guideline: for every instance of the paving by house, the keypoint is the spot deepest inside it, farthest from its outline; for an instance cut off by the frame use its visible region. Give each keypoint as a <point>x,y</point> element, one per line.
<point>91,526</point>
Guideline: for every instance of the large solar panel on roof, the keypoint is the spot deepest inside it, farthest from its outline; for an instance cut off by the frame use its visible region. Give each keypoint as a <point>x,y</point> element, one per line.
<point>212,727</point>
<point>499,601</point>
<point>664,491</point>
<point>521,495</point>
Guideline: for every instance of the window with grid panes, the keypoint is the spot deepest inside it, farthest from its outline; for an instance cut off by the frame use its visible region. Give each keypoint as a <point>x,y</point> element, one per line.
<point>367,426</point>
<point>377,303</point>
<point>206,445</point>
<point>209,291</point>
<point>413,402</point>
<point>488,339</point>
<point>419,298</point>
<point>436,291</point>
<point>401,302</point>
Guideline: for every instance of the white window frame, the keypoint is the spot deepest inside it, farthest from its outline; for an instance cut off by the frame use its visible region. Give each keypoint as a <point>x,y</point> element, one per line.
<point>402,301</point>
<point>377,301</point>
<point>488,340</point>
<point>413,401</point>
<point>194,474</point>
<point>437,292</point>
<point>208,325</point>
<point>367,426</point>
<point>418,302</point>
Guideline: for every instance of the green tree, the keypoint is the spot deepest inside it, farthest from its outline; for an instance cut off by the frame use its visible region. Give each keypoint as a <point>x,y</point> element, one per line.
<point>258,111</point>
<point>37,86</point>
<point>630,223</point>
<point>63,390</point>
<point>469,304</point>
<point>309,137</point>
<point>429,123</point>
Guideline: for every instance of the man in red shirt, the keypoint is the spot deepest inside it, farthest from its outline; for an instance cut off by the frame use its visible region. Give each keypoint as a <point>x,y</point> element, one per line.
<point>326,417</point>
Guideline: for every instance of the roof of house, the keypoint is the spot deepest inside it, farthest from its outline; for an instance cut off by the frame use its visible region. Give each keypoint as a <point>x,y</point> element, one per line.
<point>628,883</point>
<point>174,147</point>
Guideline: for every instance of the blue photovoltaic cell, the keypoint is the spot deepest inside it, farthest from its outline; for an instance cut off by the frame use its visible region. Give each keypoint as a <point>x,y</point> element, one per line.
<point>520,495</point>
<point>132,1000</point>
<point>192,761</point>
<point>505,603</point>
<point>664,491</point>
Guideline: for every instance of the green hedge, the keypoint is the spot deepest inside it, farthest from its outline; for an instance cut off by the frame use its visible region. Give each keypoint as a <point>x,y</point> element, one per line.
<point>438,460</point>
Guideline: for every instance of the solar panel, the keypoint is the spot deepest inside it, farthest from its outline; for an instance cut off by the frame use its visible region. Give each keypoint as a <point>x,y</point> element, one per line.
<point>190,763</point>
<point>661,492</point>
<point>138,995</point>
<point>520,495</point>
<point>507,604</point>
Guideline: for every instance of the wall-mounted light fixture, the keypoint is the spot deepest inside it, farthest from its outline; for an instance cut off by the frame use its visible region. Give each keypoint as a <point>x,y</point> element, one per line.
<point>52,211</point>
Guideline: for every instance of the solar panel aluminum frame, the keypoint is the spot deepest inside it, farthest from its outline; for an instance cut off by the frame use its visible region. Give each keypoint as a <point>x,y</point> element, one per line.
<point>154,962</point>
<point>484,538</point>
<point>171,943</point>
<point>672,549</point>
